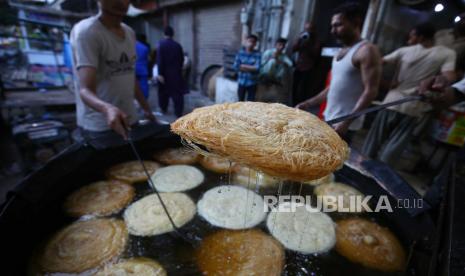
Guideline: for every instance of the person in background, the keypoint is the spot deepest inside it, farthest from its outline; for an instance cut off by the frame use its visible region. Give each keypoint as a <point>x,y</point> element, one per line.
<point>308,49</point>
<point>275,64</point>
<point>247,64</point>
<point>393,128</point>
<point>459,46</point>
<point>170,59</point>
<point>104,55</point>
<point>142,64</point>
<point>186,68</point>
<point>355,72</point>
<point>413,38</point>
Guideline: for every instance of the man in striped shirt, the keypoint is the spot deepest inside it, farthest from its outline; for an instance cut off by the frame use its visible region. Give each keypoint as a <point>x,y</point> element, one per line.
<point>247,64</point>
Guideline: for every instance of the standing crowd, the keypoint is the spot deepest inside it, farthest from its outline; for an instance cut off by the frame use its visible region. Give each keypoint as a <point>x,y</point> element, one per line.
<point>113,69</point>
<point>355,79</point>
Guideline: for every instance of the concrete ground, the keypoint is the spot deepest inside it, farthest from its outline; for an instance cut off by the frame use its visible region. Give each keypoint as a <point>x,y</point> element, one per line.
<point>192,100</point>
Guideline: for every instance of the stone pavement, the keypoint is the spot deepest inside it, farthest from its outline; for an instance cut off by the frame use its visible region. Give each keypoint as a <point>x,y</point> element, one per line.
<point>192,100</point>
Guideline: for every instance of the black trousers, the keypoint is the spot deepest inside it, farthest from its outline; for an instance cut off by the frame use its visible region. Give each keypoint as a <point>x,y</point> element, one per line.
<point>249,90</point>
<point>301,86</point>
<point>178,100</point>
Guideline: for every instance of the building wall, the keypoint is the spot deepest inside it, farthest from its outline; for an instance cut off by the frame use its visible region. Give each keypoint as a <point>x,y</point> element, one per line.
<point>181,21</point>
<point>217,27</point>
<point>394,29</point>
<point>203,28</point>
<point>297,12</point>
<point>400,19</point>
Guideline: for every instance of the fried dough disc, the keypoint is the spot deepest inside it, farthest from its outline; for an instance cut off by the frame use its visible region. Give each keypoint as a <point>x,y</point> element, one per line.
<point>146,217</point>
<point>135,266</point>
<point>324,180</point>
<point>250,178</point>
<point>337,192</point>
<point>215,164</point>
<point>231,207</point>
<point>132,171</point>
<point>303,230</point>
<point>240,253</point>
<point>369,244</point>
<point>100,198</point>
<point>177,178</point>
<point>177,156</point>
<point>84,245</point>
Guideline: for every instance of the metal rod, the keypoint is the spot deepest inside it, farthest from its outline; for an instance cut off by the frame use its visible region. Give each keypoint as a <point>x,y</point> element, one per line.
<point>373,109</point>
<point>136,153</point>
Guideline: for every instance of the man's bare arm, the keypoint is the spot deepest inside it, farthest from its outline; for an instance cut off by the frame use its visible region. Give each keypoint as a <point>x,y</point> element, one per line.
<point>143,102</point>
<point>248,68</point>
<point>116,119</point>
<point>368,60</point>
<point>449,75</point>
<point>314,101</point>
<point>370,68</point>
<point>439,93</point>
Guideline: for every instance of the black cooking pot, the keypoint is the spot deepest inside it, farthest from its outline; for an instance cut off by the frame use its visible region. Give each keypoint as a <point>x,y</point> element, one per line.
<point>33,210</point>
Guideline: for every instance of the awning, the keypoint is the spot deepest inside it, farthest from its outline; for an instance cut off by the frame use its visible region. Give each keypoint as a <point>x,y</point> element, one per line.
<point>141,7</point>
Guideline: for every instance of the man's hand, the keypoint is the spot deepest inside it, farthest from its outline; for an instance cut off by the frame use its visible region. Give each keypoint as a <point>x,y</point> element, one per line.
<point>161,79</point>
<point>117,120</point>
<point>439,93</point>
<point>342,128</point>
<point>244,68</point>
<point>302,105</point>
<point>433,88</point>
<point>248,68</point>
<point>436,83</point>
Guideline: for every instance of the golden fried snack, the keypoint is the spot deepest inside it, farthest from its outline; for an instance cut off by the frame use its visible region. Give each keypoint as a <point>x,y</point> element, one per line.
<point>132,171</point>
<point>369,244</point>
<point>250,178</point>
<point>177,178</point>
<point>177,156</point>
<point>278,140</point>
<point>146,217</point>
<point>231,207</point>
<point>100,198</point>
<point>324,180</point>
<point>338,192</point>
<point>304,230</point>
<point>134,266</point>
<point>216,164</point>
<point>240,253</point>
<point>83,245</point>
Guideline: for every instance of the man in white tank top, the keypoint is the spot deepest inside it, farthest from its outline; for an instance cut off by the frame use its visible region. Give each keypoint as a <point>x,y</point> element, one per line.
<point>355,72</point>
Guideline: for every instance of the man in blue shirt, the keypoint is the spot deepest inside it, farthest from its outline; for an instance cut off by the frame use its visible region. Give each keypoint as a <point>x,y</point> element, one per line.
<point>142,64</point>
<point>247,64</point>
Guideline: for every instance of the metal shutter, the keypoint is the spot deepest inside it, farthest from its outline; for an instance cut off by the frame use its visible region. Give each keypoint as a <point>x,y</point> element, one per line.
<point>217,28</point>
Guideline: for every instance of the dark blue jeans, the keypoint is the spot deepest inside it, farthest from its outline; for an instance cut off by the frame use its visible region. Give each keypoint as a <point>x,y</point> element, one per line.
<point>250,90</point>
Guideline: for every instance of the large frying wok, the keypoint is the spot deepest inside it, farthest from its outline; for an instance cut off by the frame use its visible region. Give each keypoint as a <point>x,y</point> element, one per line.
<point>33,210</point>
